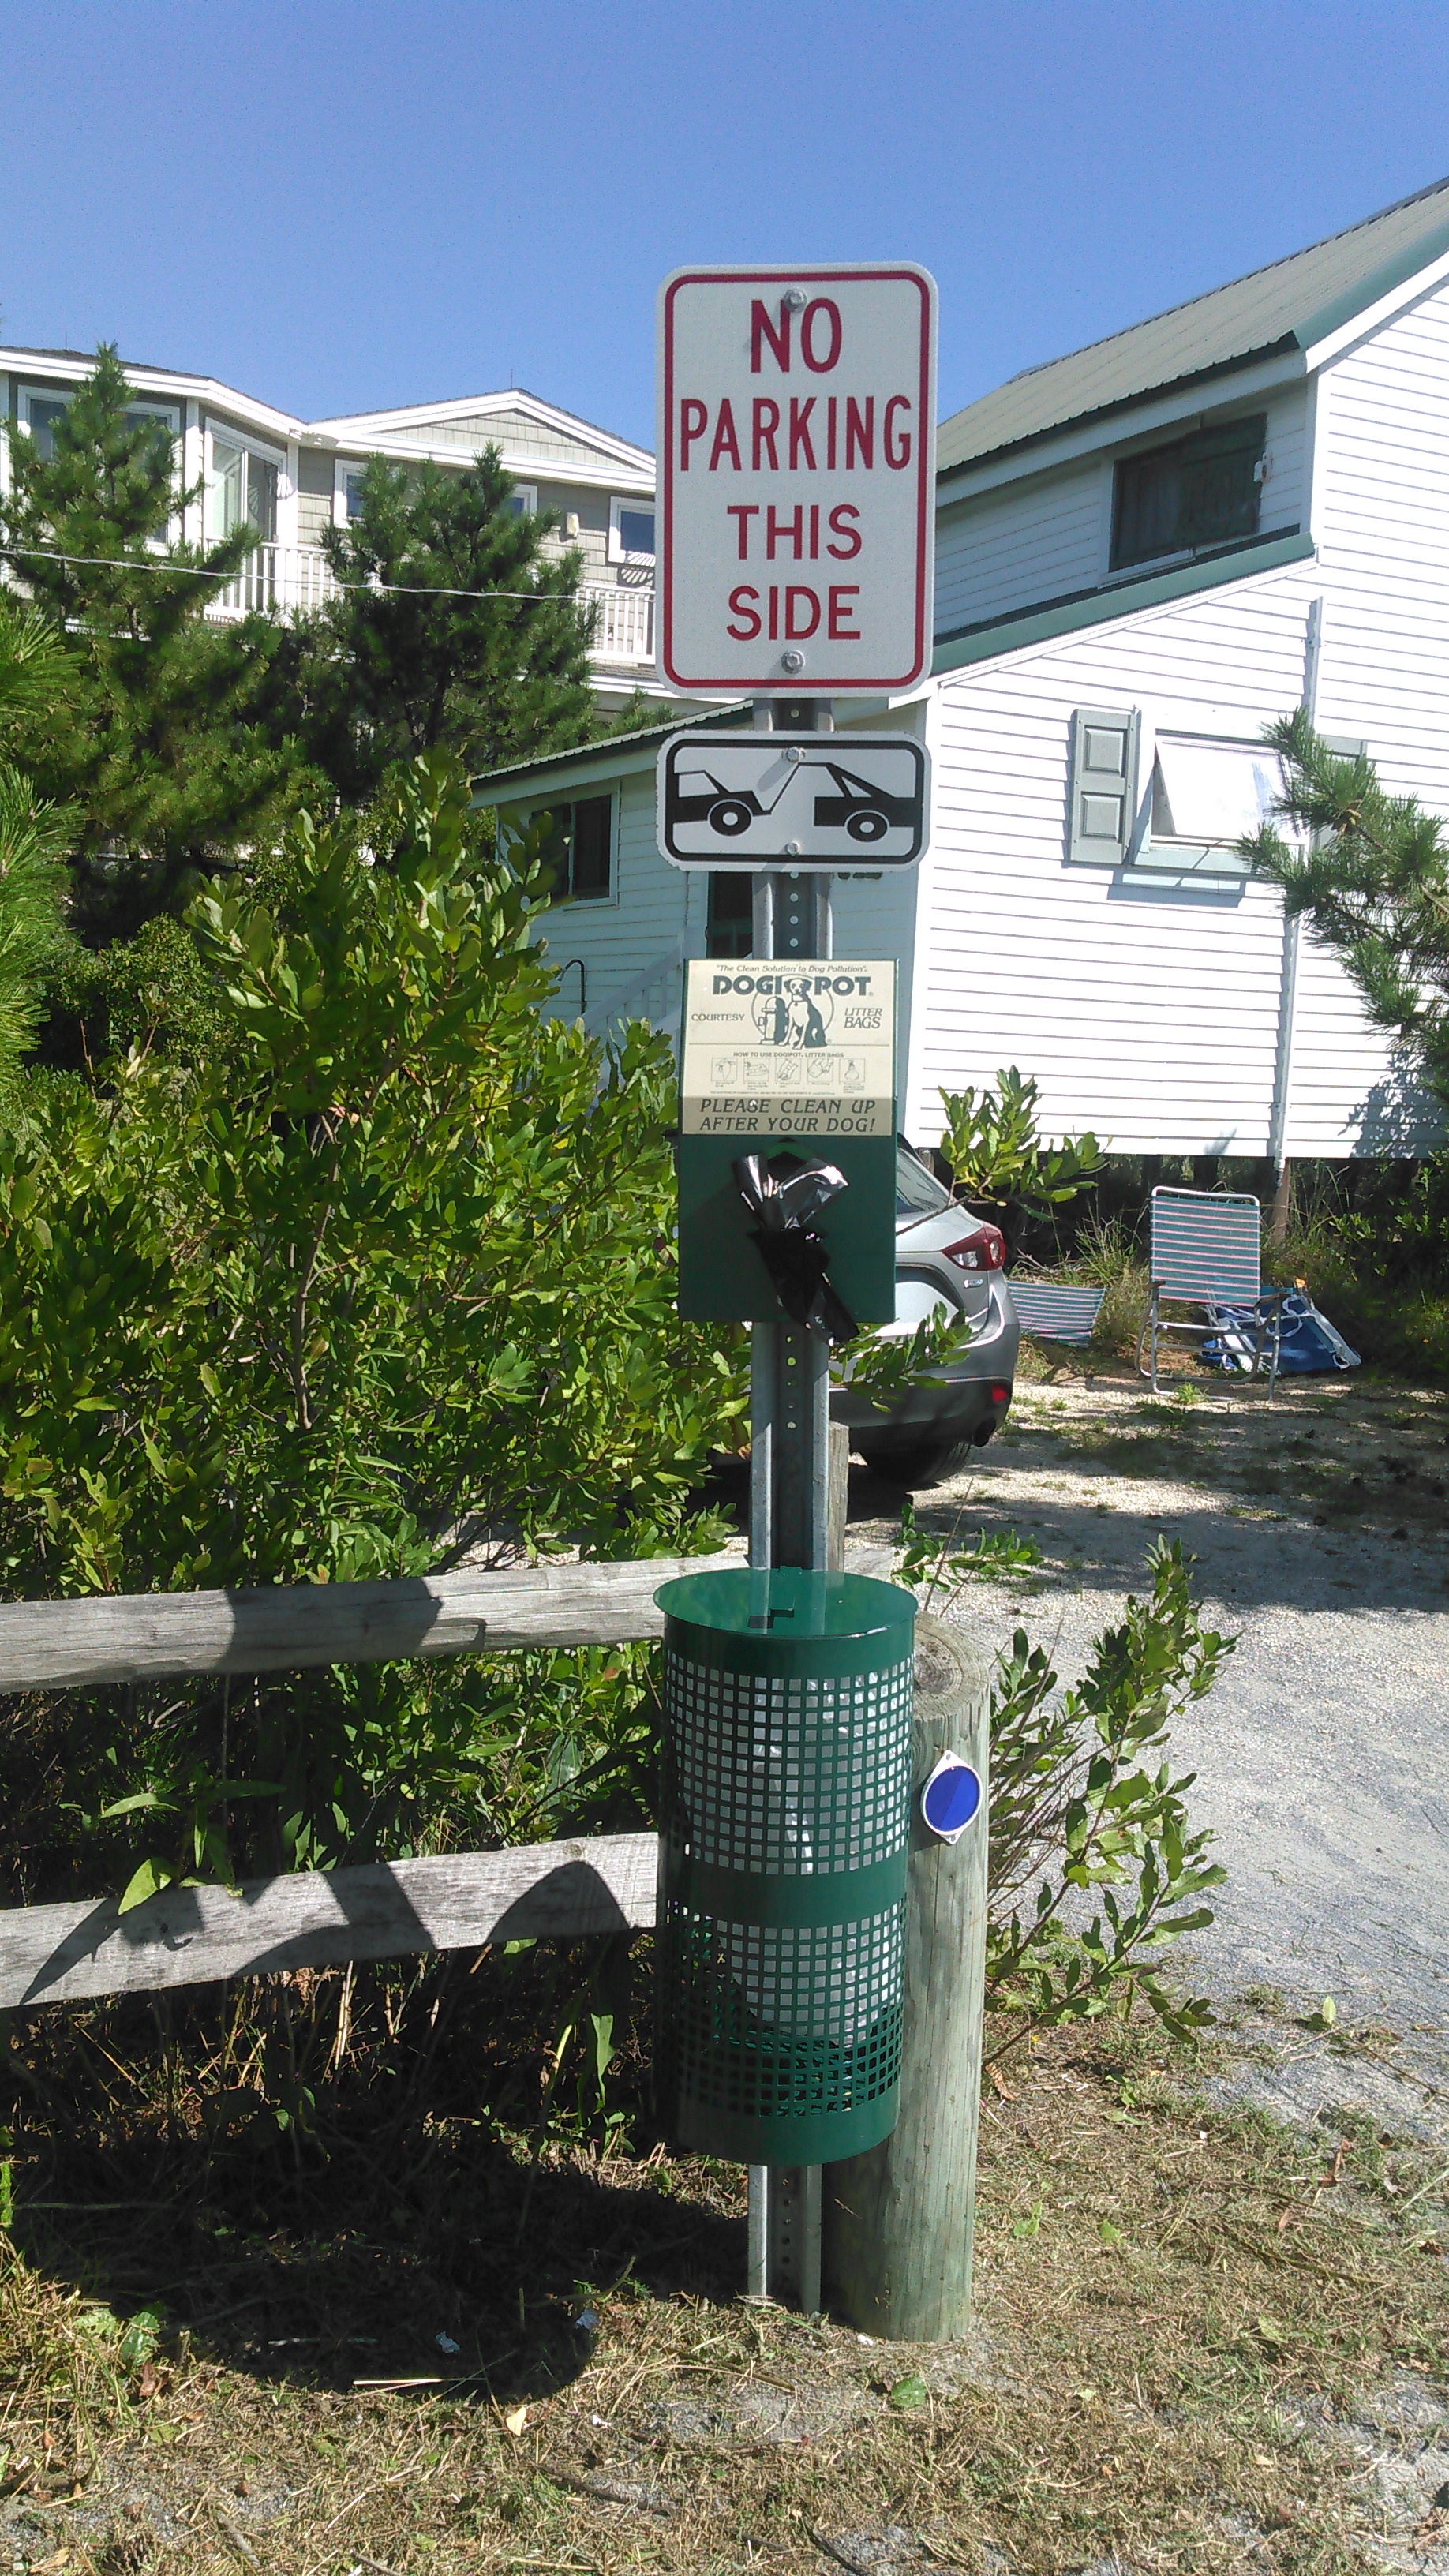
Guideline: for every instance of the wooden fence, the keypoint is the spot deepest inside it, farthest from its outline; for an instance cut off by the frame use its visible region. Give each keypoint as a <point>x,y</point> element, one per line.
<point>192,1935</point>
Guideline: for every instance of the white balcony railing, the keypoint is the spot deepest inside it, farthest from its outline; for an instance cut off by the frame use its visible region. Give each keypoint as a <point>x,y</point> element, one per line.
<point>625,630</point>
<point>278,579</point>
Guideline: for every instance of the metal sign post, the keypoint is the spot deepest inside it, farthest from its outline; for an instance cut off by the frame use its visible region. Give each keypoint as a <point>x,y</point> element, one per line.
<point>789,1515</point>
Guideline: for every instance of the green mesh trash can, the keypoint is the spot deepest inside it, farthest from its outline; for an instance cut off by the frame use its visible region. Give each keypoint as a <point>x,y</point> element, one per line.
<point>787,1708</point>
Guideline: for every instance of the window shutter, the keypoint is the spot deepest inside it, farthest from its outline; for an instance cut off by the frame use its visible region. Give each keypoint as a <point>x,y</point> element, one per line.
<point>1103,784</point>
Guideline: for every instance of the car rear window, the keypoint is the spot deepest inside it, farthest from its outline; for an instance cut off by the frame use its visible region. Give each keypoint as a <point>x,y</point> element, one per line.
<point>918,1192</point>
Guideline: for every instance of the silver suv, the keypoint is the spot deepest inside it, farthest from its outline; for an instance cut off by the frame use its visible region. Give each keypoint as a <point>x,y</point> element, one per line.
<point>947,1262</point>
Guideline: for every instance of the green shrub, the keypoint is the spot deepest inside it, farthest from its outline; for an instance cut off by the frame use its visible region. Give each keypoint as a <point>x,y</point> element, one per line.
<point>1077,1811</point>
<point>394,1271</point>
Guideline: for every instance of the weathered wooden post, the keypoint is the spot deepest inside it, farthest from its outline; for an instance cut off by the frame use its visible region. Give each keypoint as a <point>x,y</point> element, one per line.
<point>899,2220</point>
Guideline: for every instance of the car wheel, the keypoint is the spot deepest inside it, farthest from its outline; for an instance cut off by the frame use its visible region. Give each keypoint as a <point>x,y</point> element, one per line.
<point>869,826</point>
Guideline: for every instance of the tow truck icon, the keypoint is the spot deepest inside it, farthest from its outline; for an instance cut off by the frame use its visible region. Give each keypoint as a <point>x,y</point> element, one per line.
<point>861,805</point>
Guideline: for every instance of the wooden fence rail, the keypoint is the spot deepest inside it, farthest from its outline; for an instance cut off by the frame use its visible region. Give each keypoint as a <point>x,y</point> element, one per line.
<point>149,1636</point>
<point>188,1936</point>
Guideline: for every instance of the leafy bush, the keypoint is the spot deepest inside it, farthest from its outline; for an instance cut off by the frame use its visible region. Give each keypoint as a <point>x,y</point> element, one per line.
<point>393,1272</point>
<point>996,1153</point>
<point>1075,1807</point>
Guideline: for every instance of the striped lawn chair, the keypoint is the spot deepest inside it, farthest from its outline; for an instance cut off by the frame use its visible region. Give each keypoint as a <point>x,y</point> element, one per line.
<point>1052,1313</point>
<point>1206,1251</point>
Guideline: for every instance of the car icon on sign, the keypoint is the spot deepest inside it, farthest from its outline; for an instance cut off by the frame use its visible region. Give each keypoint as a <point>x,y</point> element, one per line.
<point>867,812</point>
<point>727,810</point>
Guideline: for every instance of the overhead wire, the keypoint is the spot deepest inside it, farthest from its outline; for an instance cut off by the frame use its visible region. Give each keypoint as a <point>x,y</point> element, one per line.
<point>198,572</point>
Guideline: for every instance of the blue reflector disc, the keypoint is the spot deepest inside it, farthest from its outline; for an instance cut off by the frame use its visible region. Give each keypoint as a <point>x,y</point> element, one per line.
<point>951,1797</point>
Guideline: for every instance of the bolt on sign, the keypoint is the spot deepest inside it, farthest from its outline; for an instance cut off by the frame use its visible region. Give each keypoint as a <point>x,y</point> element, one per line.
<point>797,449</point>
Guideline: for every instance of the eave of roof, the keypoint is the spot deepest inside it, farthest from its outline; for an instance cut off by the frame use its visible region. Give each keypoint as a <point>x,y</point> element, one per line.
<point>499,786</point>
<point>1293,304</point>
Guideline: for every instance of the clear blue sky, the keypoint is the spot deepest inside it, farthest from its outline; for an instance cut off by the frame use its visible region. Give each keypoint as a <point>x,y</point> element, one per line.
<point>339,204</point>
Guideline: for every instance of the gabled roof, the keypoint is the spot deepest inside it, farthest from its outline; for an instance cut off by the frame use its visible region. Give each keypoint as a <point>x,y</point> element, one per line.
<point>65,366</point>
<point>423,416</point>
<point>1292,304</point>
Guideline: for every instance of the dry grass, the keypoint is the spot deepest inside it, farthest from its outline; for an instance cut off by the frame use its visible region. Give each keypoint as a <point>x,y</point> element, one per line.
<point>1180,2314</point>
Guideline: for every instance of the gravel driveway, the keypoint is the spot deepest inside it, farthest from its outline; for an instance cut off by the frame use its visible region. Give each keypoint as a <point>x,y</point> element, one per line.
<point>1319,1529</point>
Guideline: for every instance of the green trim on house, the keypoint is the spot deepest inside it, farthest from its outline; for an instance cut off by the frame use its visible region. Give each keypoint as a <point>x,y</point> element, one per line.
<point>1009,634</point>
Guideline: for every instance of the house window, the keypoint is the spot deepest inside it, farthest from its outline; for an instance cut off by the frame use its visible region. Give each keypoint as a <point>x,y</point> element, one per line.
<point>729,928</point>
<point>241,491</point>
<point>39,413</point>
<point>1210,795</point>
<point>582,850</point>
<point>631,532</point>
<point>349,492</point>
<point>1199,492</point>
<point>522,501</point>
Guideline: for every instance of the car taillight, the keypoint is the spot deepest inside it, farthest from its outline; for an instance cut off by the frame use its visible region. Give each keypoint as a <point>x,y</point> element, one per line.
<point>1000,1394</point>
<point>983,1250</point>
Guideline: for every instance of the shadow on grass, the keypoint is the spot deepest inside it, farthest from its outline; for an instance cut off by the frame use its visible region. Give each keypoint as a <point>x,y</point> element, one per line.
<point>389,2226</point>
<point>472,2284</point>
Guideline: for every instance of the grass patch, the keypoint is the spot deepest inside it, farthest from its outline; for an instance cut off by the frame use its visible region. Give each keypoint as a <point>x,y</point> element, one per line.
<point>1176,2308</point>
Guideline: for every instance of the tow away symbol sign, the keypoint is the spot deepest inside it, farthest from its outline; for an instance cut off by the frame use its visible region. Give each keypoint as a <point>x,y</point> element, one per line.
<point>797,438</point>
<point>750,800</point>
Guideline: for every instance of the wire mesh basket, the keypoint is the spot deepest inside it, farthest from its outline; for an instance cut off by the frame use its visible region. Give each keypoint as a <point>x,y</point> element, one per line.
<point>786,1825</point>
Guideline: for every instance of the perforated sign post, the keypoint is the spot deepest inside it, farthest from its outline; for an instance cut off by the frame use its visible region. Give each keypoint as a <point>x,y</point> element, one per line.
<point>797,452</point>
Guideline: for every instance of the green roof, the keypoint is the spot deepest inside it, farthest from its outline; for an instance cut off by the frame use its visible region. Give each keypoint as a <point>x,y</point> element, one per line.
<point>1291,304</point>
<point>497,785</point>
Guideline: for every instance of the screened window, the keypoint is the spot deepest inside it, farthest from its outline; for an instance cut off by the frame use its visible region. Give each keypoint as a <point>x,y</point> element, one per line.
<point>631,532</point>
<point>729,927</point>
<point>241,491</point>
<point>1201,491</point>
<point>583,850</point>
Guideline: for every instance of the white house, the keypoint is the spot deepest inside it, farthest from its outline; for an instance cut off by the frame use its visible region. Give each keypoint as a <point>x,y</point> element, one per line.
<point>289,479</point>
<point>1146,551</point>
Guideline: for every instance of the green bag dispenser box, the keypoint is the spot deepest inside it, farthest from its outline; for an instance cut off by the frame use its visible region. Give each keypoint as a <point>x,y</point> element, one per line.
<point>794,1058</point>
<point>783,1851</point>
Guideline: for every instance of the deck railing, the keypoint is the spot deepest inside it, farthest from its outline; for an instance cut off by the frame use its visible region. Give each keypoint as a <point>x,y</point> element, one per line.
<point>277,579</point>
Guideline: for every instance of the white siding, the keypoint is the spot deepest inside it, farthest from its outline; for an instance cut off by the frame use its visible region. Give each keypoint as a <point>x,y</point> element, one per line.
<point>642,925</point>
<point>1047,537</point>
<point>1384,537</point>
<point>1147,1013</point>
<point>1041,540</point>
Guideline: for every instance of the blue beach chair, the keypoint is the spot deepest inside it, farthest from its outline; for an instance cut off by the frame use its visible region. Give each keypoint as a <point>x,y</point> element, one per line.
<point>1206,1250</point>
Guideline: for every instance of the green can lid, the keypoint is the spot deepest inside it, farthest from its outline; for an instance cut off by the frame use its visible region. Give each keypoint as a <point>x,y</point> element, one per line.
<point>789,1605</point>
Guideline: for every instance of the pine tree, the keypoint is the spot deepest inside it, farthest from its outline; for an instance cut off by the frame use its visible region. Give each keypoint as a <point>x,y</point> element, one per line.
<point>1371,873</point>
<point>34,839</point>
<point>430,645</point>
<point>170,748</point>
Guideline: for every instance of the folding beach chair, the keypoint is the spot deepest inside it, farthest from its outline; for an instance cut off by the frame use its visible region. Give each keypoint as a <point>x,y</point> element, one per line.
<point>1205,1251</point>
<point>1053,1313</point>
